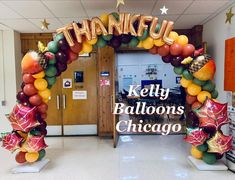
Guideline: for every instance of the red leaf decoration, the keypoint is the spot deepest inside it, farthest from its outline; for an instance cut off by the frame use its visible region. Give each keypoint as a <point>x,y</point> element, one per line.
<point>212,114</point>
<point>22,118</point>
<point>196,136</point>
<point>11,142</point>
<point>34,143</point>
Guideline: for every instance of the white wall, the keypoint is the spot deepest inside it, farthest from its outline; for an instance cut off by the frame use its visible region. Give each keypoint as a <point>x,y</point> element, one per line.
<point>10,50</point>
<point>215,32</point>
<point>134,65</point>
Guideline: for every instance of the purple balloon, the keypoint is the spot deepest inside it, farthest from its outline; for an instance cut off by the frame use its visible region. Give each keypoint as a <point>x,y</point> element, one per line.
<point>63,45</point>
<point>21,97</point>
<point>43,125</point>
<point>167,59</point>
<point>115,42</point>
<point>176,61</point>
<point>193,118</point>
<point>61,57</point>
<point>125,38</point>
<point>136,25</point>
<point>61,67</point>
<point>210,130</point>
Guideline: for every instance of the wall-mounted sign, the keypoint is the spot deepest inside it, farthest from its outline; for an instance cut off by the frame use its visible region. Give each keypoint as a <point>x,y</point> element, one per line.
<point>104,74</point>
<point>67,83</point>
<point>78,77</point>
<point>79,95</point>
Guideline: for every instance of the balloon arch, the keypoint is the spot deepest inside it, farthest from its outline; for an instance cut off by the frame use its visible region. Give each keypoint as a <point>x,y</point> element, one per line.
<point>40,69</point>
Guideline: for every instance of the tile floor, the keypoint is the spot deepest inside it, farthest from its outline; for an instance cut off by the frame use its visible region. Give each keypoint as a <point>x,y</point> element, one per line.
<point>135,158</point>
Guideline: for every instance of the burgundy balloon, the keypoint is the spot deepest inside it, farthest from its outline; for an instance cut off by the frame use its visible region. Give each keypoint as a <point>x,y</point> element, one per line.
<point>210,130</point>
<point>43,132</point>
<point>115,42</point>
<point>63,45</point>
<point>125,38</point>
<point>22,97</point>
<point>22,85</point>
<point>194,119</point>
<point>61,57</point>
<point>61,67</point>
<point>43,125</point>
<point>219,156</point>
<point>176,61</point>
<point>167,59</point>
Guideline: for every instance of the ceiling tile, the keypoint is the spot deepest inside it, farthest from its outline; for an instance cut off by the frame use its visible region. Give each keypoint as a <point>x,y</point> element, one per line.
<point>21,25</point>
<point>173,6</point>
<point>140,7</point>
<point>96,8</point>
<point>188,21</point>
<point>7,13</point>
<point>205,6</point>
<point>54,24</point>
<point>168,17</point>
<point>29,9</point>
<point>66,21</point>
<point>66,8</point>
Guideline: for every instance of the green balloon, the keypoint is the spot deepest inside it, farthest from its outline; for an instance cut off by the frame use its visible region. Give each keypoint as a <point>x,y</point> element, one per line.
<point>144,36</point>
<point>214,94</point>
<point>124,45</point>
<point>199,82</point>
<point>209,158</point>
<point>51,80</point>
<point>187,75</point>
<point>42,154</point>
<point>157,27</point>
<point>51,71</point>
<point>35,132</point>
<point>95,46</point>
<point>178,70</point>
<point>108,37</point>
<point>209,86</point>
<point>101,42</point>
<point>53,47</point>
<point>116,15</point>
<point>202,147</point>
<point>59,37</point>
<point>134,42</point>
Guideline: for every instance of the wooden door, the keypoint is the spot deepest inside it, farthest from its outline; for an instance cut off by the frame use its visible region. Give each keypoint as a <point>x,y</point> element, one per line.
<point>54,114</point>
<point>80,115</point>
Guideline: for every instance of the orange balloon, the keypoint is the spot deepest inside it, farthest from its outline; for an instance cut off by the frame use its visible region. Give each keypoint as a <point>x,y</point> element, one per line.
<point>196,105</point>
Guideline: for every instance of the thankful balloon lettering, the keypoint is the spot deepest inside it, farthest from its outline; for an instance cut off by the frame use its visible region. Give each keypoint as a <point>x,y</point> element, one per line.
<point>124,24</point>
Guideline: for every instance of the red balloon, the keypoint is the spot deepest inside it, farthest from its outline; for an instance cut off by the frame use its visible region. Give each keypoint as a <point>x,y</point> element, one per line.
<point>42,108</point>
<point>164,50</point>
<point>28,79</point>
<point>20,157</point>
<point>29,90</point>
<point>188,50</point>
<point>77,47</point>
<point>72,56</point>
<point>35,100</point>
<point>176,49</point>
<point>44,115</point>
<point>153,50</point>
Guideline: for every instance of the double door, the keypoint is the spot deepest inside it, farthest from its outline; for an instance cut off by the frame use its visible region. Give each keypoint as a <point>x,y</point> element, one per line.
<point>73,109</point>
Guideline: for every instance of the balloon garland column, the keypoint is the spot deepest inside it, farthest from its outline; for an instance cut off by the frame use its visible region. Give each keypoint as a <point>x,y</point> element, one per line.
<point>40,69</point>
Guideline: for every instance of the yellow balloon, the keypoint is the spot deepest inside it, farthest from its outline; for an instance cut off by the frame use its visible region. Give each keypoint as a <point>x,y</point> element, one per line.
<point>201,97</point>
<point>105,19</point>
<point>140,45</point>
<point>86,48</point>
<point>92,42</point>
<point>45,100</point>
<point>159,42</point>
<point>185,83</point>
<point>39,75</point>
<point>40,84</point>
<point>196,153</point>
<point>173,35</point>
<point>45,94</point>
<point>31,157</point>
<point>194,89</point>
<point>182,40</point>
<point>148,43</point>
<point>81,52</point>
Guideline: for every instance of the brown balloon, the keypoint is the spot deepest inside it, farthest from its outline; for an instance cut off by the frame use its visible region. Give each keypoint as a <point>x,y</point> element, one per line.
<point>133,18</point>
<point>116,24</point>
<point>84,30</point>
<point>35,100</point>
<point>42,108</point>
<point>67,35</point>
<point>77,47</point>
<point>176,49</point>
<point>164,50</point>
<point>72,56</point>
<point>29,90</point>
<point>169,28</point>
<point>143,25</point>
<point>44,115</point>
<point>153,50</point>
<point>97,27</point>
<point>28,79</point>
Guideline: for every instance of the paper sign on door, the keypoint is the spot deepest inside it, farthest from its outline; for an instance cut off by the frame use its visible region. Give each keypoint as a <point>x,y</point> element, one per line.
<point>79,95</point>
<point>67,83</point>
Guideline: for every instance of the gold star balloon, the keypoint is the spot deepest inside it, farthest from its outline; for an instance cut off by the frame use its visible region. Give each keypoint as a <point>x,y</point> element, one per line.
<point>219,143</point>
<point>120,2</point>
<point>229,16</point>
<point>45,24</point>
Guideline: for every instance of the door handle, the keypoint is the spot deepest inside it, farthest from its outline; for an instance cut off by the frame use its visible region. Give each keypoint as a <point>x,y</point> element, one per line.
<point>58,102</point>
<point>111,104</point>
<point>64,101</point>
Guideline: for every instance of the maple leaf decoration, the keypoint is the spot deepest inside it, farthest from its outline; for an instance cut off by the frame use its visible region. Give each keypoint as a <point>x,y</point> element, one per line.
<point>219,143</point>
<point>34,143</point>
<point>196,136</point>
<point>22,118</point>
<point>213,114</point>
<point>11,142</point>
